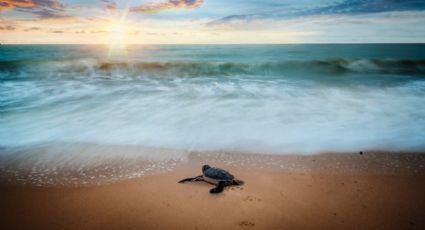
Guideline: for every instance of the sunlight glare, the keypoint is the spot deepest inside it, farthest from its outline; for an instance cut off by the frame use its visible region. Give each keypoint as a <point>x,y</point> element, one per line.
<point>118,38</point>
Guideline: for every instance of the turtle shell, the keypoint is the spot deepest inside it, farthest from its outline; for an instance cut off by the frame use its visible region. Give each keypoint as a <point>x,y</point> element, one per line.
<point>218,174</point>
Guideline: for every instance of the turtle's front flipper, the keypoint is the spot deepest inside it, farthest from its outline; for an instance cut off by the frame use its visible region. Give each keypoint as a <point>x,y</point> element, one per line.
<point>219,188</point>
<point>191,179</point>
<point>238,182</point>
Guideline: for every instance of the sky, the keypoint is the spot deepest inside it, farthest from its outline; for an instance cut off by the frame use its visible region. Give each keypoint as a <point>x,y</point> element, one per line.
<point>211,21</point>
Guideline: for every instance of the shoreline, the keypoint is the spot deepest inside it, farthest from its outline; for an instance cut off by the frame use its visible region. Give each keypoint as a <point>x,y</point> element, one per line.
<point>304,194</point>
<point>26,170</point>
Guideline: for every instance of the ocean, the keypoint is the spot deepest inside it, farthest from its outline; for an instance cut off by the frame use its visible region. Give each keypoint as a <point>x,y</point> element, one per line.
<point>278,99</point>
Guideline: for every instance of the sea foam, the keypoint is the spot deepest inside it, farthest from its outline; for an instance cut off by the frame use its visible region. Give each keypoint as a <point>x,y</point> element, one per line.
<point>227,98</point>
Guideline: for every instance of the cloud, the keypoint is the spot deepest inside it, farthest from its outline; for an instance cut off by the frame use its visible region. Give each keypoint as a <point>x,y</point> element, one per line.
<point>10,28</point>
<point>29,4</point>
<point>98,31</point>
<point>346,7</point>
<point>109,4</point>
<point>32,29</point>
<point>167,5</point>
<point>58,31</point>
<point>41,8</point>
<point>11,4</point>
<point>48,13</point>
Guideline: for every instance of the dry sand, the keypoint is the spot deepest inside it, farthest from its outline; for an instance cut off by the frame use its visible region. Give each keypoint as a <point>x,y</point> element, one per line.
<point>317,197</point>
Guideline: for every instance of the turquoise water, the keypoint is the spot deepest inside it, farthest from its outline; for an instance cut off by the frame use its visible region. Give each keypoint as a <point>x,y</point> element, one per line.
<point>256,98</point>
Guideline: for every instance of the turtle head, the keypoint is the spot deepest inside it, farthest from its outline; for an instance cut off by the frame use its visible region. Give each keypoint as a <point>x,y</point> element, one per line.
<point>205,167</point>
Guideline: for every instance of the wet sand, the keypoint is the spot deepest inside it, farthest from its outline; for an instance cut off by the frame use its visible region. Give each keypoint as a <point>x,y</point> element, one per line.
<point>317,197</point>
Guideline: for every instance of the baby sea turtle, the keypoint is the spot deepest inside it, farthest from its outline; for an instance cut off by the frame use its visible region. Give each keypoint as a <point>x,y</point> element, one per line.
<point>216,176</point>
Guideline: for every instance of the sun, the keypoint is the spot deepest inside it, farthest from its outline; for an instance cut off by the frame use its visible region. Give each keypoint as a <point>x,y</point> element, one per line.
<point>118,38</point>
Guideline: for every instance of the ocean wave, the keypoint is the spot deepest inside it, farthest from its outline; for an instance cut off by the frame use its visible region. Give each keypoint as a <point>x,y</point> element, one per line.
<point>274,116</point>
<point>89,67</point>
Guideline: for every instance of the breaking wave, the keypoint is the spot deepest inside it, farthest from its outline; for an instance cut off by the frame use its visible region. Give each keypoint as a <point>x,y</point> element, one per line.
<point>276,99</point>
<point>210,68</point>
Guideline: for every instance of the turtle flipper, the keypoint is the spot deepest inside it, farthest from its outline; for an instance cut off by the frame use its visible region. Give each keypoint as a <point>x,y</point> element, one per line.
<point>238,182</point>
<point>219,188</point>
<point>191,179</point>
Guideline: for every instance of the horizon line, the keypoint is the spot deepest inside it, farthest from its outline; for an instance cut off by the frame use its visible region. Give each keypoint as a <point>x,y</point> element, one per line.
<point>289,43</point>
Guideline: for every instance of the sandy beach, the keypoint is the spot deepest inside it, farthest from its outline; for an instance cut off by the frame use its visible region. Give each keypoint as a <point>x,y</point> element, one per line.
<point>387,194</point>
<point>316,107</point>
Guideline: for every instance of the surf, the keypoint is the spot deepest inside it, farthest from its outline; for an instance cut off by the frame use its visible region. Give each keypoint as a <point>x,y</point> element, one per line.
<point>272,99</point>
<point>135,69</point>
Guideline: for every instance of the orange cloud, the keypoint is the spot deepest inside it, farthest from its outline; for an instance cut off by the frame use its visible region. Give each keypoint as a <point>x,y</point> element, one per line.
<point>7,28</point>
<point>170,4</point>
<point>11,4</point>
<point>43,9</point>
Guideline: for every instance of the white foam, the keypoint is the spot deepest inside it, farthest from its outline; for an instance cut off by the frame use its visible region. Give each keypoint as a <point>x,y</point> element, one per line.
<point>234,113</point>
